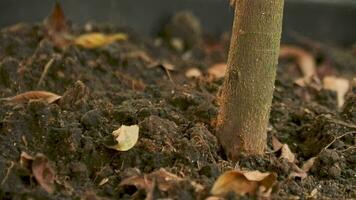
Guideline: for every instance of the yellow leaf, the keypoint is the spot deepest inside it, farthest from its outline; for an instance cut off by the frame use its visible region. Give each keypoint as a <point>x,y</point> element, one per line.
<point>96,40</point>
<point>126,137</point>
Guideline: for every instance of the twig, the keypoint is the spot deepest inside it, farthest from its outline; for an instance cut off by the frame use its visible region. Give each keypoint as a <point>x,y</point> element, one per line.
<point>45,71</point>
<point>348,148</point>
<point>336,138</point>
<point>169,75</point>
<point>7,172</point>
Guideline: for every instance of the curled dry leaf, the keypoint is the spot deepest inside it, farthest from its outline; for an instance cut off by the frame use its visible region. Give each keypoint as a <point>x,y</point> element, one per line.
<point>217,70</point>
<point>244,182</point>
<point>339,85</point>
<point>126,137</point>
<point>96,40</point>
<point>56,28</point>
<point>286,153</point>
<point>42,171</point>
<point>304,60</point>
<point>161,179</point>
<point>193,73</point>
<point>25,97</point>
<point>308,164</point>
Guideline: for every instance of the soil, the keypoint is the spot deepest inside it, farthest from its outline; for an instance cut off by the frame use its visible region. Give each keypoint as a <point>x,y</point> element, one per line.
<point>107,87</point>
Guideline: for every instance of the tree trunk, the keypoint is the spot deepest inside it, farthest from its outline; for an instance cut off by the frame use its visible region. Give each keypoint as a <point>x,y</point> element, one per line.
<point>249,82</point>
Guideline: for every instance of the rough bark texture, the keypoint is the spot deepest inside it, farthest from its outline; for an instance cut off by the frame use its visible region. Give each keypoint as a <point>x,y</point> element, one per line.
<point>249,82</point>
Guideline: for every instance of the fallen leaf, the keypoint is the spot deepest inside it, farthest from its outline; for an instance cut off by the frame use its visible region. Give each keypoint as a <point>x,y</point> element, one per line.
<point>56,27</point>
<point>304,60</point>
<point>287,154</point>
<point>96,40</point>
<point>339,85</point>
<point>308,164</point>
<point>126,137</point>
<point>244,182</point>
<point>276,144</point>
<point>164,64</point>
<point>41,170</point>
<point>217,70</point>
<point>43,173</point>
<point>193,73</point>
<point>162,179</point>
<point>25,97</point>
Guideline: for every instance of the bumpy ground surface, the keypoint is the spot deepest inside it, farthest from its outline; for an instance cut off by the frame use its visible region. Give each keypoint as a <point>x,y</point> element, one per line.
<point>107,87</point>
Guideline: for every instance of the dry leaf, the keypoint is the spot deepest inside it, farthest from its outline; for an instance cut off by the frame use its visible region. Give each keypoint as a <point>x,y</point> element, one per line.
<point>297,172</point>
<point>126,137</point>
<point>244,182</point>
<point>193,73</point>
<point>164,180</point>
<point>339,85</point>
<point>308,164</point>
<point>41,170</point>
<point>96,40</point>
<point>217,70</point>
<point>43,173</point>
<point>57,29</point>
<point>287,154</point>
<point>304,60</point>
<point>25,97</point>
<point>276,144</point>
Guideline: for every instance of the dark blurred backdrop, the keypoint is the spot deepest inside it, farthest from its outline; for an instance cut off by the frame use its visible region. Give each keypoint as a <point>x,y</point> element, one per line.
<point>332,21</point>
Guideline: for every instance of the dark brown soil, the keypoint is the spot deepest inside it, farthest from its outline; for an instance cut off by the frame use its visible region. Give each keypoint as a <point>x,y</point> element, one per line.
<point>107,87</point>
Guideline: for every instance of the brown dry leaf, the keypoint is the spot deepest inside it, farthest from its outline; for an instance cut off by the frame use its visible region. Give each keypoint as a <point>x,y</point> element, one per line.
<point>304,60</point>
<point>193,73</point>
<point>276,144</point>
<point>26,159</point>
<point>126,137</point>
<point>339,85</point>
<point>25,97</point>
<point>56,27</point>
<point>97,40</point>
<point>287,154</point>
<point>244,182</point>
<point>40,168</point>
<point>308,164</point>
<point>297,172</point>
<point>217,70</point>
<point>164,181</point>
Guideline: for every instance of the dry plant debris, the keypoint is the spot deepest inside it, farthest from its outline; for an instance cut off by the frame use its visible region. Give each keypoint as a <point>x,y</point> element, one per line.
<point>217,70</point>
<point>304,60</point>
<point>25,97</point>
<point>244,182</point>
<point>339,85</point>
<point>41,170</point>
<point>126,137</point>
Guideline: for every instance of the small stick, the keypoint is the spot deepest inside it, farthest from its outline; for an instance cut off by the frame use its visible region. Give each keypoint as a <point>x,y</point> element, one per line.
<point>7,173</point>
<point>45,71</point>
<point>336,138</point>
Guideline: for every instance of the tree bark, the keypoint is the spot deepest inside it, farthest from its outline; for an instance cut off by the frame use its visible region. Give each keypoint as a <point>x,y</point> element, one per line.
<point>249,81</point>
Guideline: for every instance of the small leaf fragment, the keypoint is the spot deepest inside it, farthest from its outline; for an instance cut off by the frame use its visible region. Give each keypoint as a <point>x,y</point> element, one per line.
<point>126,137</point>
<point>244,182</point>
<point>25,97</point>
<point>339,85</point>
<point>97,40</point>
<point>217,70</point>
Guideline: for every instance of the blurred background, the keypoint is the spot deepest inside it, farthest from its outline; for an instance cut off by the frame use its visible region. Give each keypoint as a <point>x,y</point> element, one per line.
<point>331,21</point>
